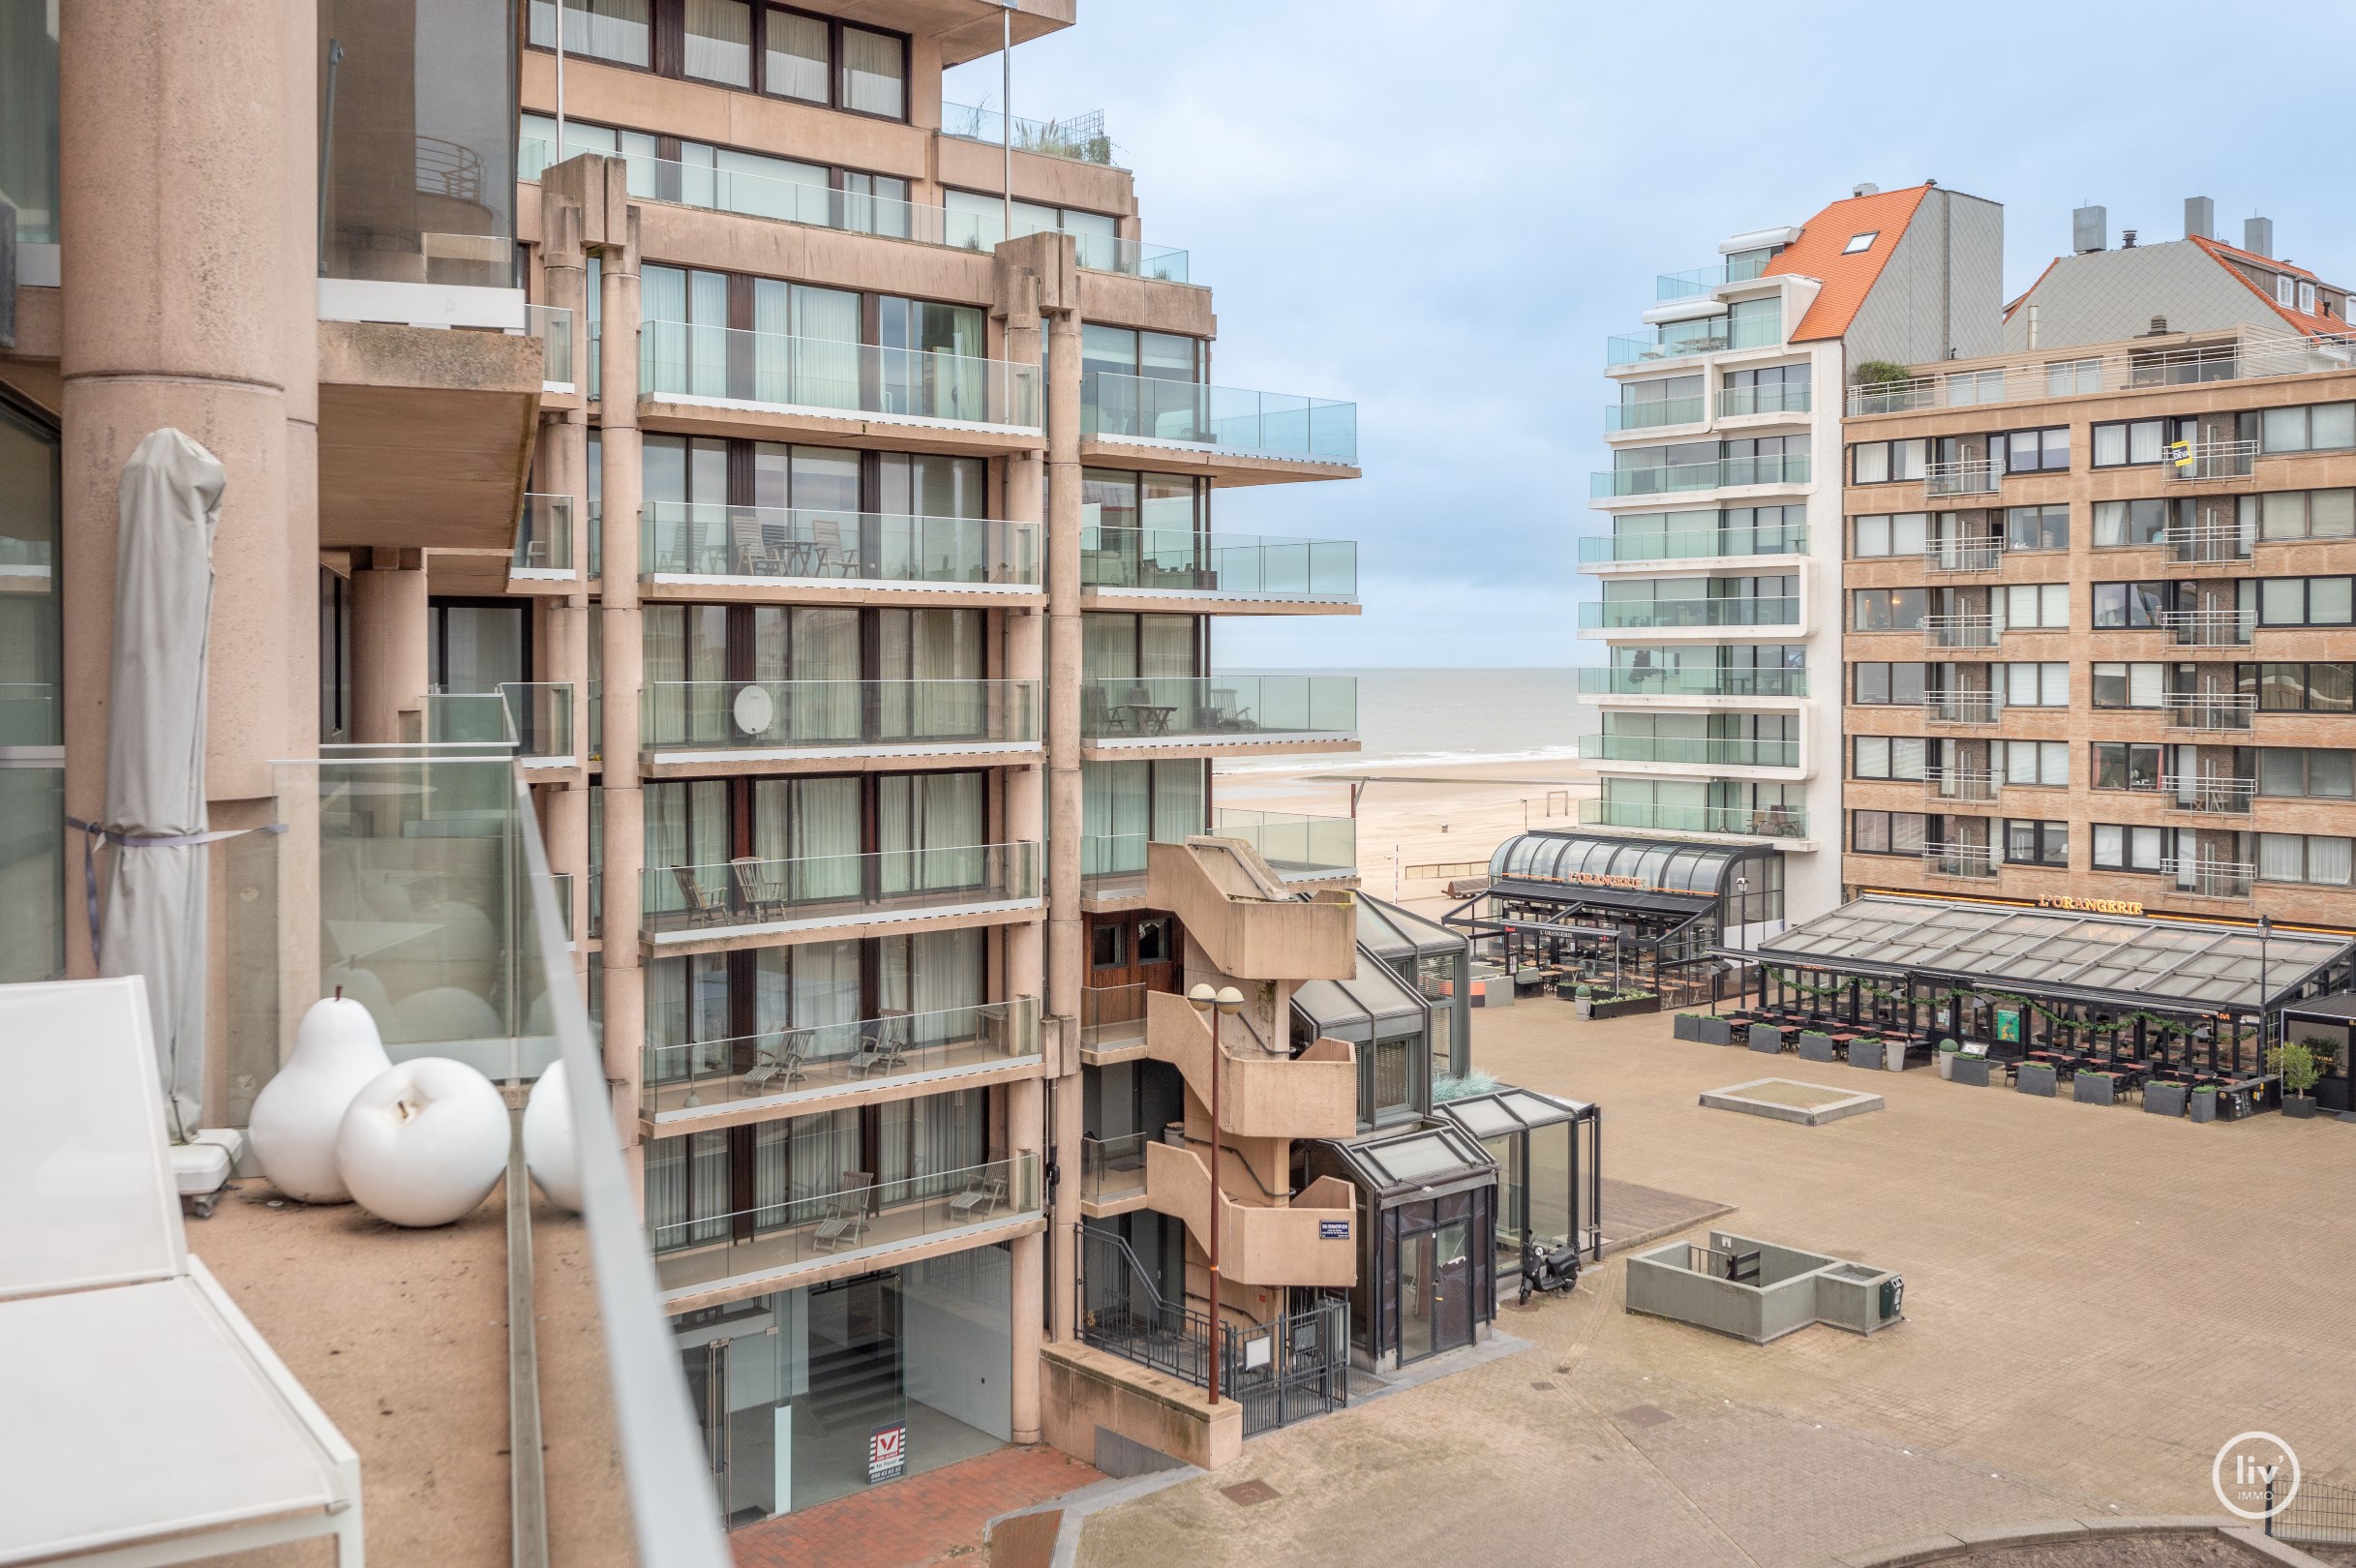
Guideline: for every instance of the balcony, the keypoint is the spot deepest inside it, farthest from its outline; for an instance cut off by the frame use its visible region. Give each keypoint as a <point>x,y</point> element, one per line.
<point>544,541</point>
<point>759,1250</point>
<point>1129,564</point>
<point>1112,1172</point>
<point>1112,867</point>
<point>1672,286</point>
<point>531,722</point>
<point>2212,796</point>
<point>1780,398</point>
<point>1676,478</point>
<point>1963,555</point>
<point>1168,412</point>
<point>541,715</point>
<point>1080,138</point>
<point>1962,708</point>
<point>708,907</point>
<point>701,723</point>
<point>701,545</point>
<point>1961,786</point>
<point>1617,549</point>
<point>1690,340</point>
<point>1689,750</point>
<point>553,325</point>
<point>1973,862</point>
<point>1308,1242</point>
<point>1960,631</point>
<point>1113,1019</point>
<point>723,1082</point>
<point>2255,356</point>
<point>2208,711</point>
<point>1748,822</point>
<point>1248,922</point>
<point>2210,879</point>
<point>2210,460</point>
<point>1297,848</point>
<point>2207,628</point>
<point>1688,680</point>
<point>819,378</point>
<point>1180,714</point>
<point>1641,615</point>
<point>1971,477</point>
<point>2206,544</point>
<point>1655,411</point>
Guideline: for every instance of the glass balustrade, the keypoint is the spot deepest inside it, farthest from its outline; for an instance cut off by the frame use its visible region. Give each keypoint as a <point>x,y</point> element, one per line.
<point>553,325</point>
<point>1273,424</point>
<point>699,539</point>
<point>1181,560</point>
<point>1295,846</point>
<point>544,538</point>
<point>1614,548</point>
<point>775,1062</point>
<point>829,715</point>
<point>1618,614</point>
<point>1225,708</point>
<point>728,364</point>
<point>751,894</point>
<point>1683,681</point>
<point>1712,751</point>
<point>1770,821</point>
<point>1665,478</point>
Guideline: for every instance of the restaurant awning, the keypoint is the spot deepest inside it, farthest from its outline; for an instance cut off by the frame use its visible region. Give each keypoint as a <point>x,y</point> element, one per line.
<point>1654,875</point>
<point>2114,959</point>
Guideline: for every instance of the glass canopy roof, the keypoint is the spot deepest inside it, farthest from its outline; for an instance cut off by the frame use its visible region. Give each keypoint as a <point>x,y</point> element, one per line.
<point>1508,1110</point>
<point>1634,864</point>
<point>1425,1158</point>
<point>2181,962</point>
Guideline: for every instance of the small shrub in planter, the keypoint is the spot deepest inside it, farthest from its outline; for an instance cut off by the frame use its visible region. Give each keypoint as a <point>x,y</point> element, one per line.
<point>2164,1098</point>
<point>2035,1079</point>
<point>2294,1062</point>
<point>1865,1053</point>
<point>1970,1070</point>
<point>1949,1051</point>
<point>1815,1046</point>
<point>2090,1088</point>
<point>2203,1104</point>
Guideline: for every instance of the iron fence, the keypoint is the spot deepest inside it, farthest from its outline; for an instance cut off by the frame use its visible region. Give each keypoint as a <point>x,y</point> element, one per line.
<point>2319,1513</point>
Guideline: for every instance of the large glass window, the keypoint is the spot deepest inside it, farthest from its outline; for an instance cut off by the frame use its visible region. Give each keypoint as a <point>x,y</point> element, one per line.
<point>874,72</point>
<point>797,56</point>
<point>32,761</point>
<point>28,118</point>
<point>620,31</point>
<point>720,42</point>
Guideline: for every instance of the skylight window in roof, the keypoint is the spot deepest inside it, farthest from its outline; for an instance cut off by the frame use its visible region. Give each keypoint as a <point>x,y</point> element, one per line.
<point>1860,244</point>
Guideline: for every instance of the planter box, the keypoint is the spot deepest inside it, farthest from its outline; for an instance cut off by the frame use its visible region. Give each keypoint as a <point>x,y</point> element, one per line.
<point>1567,991</point>
<point>1865,1053</point>
<point>1946,1063</point>
<point>2203,1108</point>
<point>1632,1008</point>
<point>1685,1026</point>
<point>2095,1089</point>
<point>1815,1046</point>
<point>1712,1031</point>
<point>2164,1098</point>
<point>1970,1070</point>
<point>2302,1106</point>
<point>1765,1039</point>
<point>2035,1079</point>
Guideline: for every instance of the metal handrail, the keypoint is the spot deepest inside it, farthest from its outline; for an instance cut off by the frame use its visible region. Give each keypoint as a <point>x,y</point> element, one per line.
<point>2207,628</point>
<point>1971,476</point>
<point>2210,879</point>
<point>1963,555</point>
<point>2210,460</point>
<point>1959,859</point>
<point>2204,710</point>
<point>2240,358</point>
<point>1980,784</point>
<point>2217,797</point>
<point>1962,707</point>
<point>1961,631</point>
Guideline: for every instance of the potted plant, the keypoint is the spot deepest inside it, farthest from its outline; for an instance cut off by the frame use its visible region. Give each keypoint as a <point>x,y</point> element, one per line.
<point>2203,1104</point>
<point>1866,1052</point>
<point>2035,1079</point>
<point>2163,1099</point>
<point>2089,1087</point>
<point>1969,1069</point>
<point>2294,1062</point>
<point>1583,1001</point>
<point>1948,1050</point>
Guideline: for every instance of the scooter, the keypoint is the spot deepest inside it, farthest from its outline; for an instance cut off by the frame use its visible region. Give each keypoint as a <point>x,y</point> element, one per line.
<point>1548,1271</point>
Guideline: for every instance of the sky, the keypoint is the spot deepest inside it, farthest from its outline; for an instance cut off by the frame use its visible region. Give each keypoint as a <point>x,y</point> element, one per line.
<point>1441,211</point>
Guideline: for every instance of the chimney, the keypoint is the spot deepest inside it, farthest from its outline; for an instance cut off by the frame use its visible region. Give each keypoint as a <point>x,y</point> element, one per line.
<point>2258,235</point>
<point>2200,217</point>
<point>2089,229</point>
<point>2126,239</point>
<point>2159,327</point>
<point>1865,189</point>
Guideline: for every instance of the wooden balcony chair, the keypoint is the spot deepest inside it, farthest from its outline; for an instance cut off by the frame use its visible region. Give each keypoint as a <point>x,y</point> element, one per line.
<point>760,896</point>
<point>702,909</point>
<point>984,1196</point>
<point>848,1212</point>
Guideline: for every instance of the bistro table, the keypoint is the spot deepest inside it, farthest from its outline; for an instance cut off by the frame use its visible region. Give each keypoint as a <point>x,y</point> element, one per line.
<point>1149,718</point>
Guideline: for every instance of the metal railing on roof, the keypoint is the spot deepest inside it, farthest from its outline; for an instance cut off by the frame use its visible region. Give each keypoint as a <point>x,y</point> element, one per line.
<point>2062,373</point>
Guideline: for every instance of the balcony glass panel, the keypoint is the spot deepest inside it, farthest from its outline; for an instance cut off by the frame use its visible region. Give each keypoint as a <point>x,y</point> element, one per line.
<point>1613,614</point>
<point>29,124</point>
<point>1181,560</point>
<point>541,715</point>
<point>730,363</point>
<point>1647,546</point>
<point>467,719</point>
<point>1661,681</point>
<point>1225,707</point>
<point>1112,1015</point>
<point>812,1226</point>
<point>1112,1169</point>
<point>1080,137</point>
<point>1715,751</point>
<point>1294,846</point>
<point>1784,397</point>
<point>695,539</point>
<point>785,715</point>
<point>554,327</point>
<point>712,900</point>
<point>1655,411</point>
<point>544,538</point>
<point>1274,424</point>
<point>782,1062</point>
<point>1785,468</point>
<point>1771,821</point>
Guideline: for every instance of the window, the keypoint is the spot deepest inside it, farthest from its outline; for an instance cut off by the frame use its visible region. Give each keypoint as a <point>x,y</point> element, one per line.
<point>2306,298</point>
<point>2031,606</point>
<point>796,64</point>
<point>2120,765</point>
<point>2315,688</point>
<point>1882,535</point>
<point>2305,858</point>
<point>2322,427</point>
<point>874,72</point>
<point>1877,684</point>
<point>1965,388</point>
<point>2072,377</point>
<point>2037,527</point>
<point>1754,323</point>
<point>1108,946</point>
<point>2118,847</point>
<point>2033,685</point>
<point>2307,772</point>
<point>2038,764</point>
<point>2123,523</point>
<point>2037,843</point>
<point>1899,757</point>
<point>2281,289</point>
<point>2299,514</point>
<point>2032,451</point>
<point>2132,443</point>
<point>1860,244</point>
<point>1888,832</point>
<point>1888,609</point>
<point>2128,604</point>
<point>615,30</point>
<point>720,42</point>
<point>2128,686</point>
<point>2305,601</point>
<point>1876,463</point>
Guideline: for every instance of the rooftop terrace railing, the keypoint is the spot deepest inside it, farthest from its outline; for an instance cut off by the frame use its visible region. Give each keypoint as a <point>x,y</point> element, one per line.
<point>1698,280</point>
<point>1079,137</point>
<point>2062,374</point>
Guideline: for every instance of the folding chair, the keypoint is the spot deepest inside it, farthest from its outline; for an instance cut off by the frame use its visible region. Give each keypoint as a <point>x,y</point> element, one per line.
<point>847,1213</point>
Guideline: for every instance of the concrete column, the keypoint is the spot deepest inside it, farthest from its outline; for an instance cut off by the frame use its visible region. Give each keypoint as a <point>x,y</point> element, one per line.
<point>1025,653</point>
<point>188,302</point>
<point>390,668</point>
<point>564,471</point>
<point>623,657</point>
<point>1066,938</point>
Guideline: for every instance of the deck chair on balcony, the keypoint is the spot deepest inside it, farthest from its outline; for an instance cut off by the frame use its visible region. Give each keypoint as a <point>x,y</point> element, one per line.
<point>760,895</point>
<point>777,1067</point>
<point>148,1421</point>
<point>847,1213</point>
<point>883,1047</point>
<point>701,908</point>
<point>828,556</point>
<point>984,1196</point>
<point>1099,716</point>
<point>750,553</point>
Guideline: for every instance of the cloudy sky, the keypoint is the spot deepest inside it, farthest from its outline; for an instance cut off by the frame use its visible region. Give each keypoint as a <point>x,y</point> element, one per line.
<point>1440,211</point>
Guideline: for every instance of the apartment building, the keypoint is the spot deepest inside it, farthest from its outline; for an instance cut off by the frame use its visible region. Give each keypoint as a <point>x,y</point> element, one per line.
<point>2098,631</point>
<point>857,663</point>
<point>1717,559</point>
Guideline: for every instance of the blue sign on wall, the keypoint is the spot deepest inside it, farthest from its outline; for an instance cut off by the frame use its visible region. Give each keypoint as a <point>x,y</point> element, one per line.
<point>1333,1231</point>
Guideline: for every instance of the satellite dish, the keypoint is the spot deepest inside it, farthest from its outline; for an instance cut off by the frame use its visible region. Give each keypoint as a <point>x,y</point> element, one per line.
<point>754,710</point>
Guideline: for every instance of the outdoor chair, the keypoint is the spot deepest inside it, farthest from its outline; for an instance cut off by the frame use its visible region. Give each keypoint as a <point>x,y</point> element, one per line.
<point>847,1213</point>
<point>701,908</point>
<point>149,1421</point>
<point>1099,716</point>
<point>984,1196</point>
<point>754,556</point>
<point>759,895</point>
<point>826,555</point>
<point>776,1068</point>
<point>883,1048</point>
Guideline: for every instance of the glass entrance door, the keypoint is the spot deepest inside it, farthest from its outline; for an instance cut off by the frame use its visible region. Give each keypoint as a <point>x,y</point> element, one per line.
<point>731,1387</point>
<point>1414,1296</point>
<point>1451,1286</point>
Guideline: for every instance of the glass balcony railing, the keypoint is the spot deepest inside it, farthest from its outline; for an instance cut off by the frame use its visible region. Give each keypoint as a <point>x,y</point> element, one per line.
<point>1699,281</point>
<point>28,713</point>
<point>1112,866</point>
<point>776,1063</point>
<point>1220,708</point>
<point>751,894</point>
<point>703,540</point>
<point>1710,751</point>
<point>1655,411</point>
<point>1684,681</point>
<point>1664,478</point>
<point>1240,566</point>
<point>1780,398</point>
<point>1688,340</point>
<point>1297,848</point>
<point>1771,822</point>
<point>1270,424</point>
<point>1112,1169</point>
<point>1638,614</point>
<point>477,720</point>
<point>540,717</point>
<point>1112,1015</point>
<point>761,716</point>
<point>679,360</point>
<point>1080,138</point>
<point>554,327</point>
<point>1607,549</point>
<point>819,1225</point>
<point>544,538</point>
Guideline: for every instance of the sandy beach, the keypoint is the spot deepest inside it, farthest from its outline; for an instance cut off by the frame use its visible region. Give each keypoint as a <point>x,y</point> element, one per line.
<point>1421,823</point>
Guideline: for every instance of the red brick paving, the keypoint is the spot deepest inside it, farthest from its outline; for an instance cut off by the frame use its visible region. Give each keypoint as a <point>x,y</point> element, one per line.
<point>927,1518</point>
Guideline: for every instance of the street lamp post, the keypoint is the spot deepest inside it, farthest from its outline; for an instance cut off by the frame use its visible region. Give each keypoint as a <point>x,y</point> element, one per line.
<point>2265,933</point>
<point>1224,1003</point>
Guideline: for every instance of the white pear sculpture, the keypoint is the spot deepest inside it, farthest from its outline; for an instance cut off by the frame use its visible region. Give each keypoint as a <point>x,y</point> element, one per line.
<point>424,1142</point>
<point>295,1117</point>
<point>550,1152</point>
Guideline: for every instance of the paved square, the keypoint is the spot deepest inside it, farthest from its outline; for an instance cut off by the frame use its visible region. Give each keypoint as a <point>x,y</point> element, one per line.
<point>2096,1299</point>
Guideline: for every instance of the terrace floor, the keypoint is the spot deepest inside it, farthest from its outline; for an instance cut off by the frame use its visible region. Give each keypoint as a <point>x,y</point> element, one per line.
<point>2096,1299</point>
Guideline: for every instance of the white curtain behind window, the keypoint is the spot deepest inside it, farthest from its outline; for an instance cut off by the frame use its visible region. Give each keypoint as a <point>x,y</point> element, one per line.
<point>1178,801</point>
<point>797,56</point>
<point>871,72</point>
<point>826,997</point>
<point>926,1140</point>
<point>826,348</point>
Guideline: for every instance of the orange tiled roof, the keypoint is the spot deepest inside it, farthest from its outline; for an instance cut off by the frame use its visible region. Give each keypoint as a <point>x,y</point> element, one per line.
<point>2226,254</point>
<point>1847,278</point>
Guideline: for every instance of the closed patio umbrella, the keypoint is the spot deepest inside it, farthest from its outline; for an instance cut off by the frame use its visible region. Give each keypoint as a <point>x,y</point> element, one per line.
<point>154,920</point>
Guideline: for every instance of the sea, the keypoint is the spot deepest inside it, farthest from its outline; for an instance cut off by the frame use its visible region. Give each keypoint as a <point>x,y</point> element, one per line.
<point>1430,716</point>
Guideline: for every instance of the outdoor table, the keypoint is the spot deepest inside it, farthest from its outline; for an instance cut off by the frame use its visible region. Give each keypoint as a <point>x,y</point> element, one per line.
<point>1149,718</point>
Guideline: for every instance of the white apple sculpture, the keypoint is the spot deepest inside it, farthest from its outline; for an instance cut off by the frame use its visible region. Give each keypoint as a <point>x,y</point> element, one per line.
<point>423,1143</point>
<point>550,1151</point>
<point>296,1115</point>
